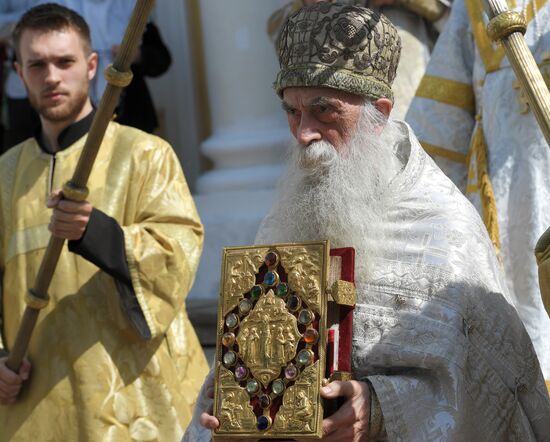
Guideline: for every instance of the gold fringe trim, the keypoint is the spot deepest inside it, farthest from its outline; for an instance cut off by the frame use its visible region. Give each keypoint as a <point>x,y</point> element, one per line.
<point>451,92</point>
<point>485,188</point>
<point>448,154</point>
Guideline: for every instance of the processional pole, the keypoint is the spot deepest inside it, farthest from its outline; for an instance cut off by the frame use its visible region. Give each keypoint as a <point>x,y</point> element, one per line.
<point>118,76</point>
<point>508,27</point>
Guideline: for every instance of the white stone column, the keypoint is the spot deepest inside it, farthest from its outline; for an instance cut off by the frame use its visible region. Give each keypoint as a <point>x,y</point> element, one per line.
<point>174,93</point>
<point>249,133</point>
<point>247,123</point>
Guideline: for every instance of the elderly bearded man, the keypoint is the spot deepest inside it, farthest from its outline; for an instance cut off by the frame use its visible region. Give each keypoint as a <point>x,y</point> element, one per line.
<point>114,356</point>
<point>438,351</point>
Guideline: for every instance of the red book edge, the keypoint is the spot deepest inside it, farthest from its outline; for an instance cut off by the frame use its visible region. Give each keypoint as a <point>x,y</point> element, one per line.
<point>347,255</point>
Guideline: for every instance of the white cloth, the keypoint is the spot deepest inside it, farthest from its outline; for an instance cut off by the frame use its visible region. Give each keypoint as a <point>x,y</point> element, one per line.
<point>107,20</point>
<point>447,355</point>
<point>195,432</point>
<point>433,326</point>
<point>518,156</point>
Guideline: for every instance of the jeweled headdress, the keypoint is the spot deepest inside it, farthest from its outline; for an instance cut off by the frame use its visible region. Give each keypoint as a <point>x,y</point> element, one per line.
<point>339,46</point>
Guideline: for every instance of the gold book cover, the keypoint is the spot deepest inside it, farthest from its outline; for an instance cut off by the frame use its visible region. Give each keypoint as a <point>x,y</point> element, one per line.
<point>272,340</point>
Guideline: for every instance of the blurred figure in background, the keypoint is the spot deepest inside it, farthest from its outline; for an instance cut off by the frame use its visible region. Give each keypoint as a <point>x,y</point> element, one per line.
<point>136,107</point>
<point>19,119</point>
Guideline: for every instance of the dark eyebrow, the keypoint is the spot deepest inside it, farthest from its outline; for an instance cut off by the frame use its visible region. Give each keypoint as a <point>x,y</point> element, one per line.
<point>322,101</point>
<point>286,107</point>
<point>57,57</point>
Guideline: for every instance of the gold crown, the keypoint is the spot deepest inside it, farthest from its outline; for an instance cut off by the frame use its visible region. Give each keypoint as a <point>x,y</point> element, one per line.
<point>339,46</point>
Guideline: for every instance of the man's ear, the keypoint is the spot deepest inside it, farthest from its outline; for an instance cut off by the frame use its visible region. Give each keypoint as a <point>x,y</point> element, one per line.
<point>384,106</point>
<point>92,65</point>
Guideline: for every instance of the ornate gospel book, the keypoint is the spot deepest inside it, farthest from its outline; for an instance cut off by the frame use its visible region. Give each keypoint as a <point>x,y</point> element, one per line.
<point>284,328</point>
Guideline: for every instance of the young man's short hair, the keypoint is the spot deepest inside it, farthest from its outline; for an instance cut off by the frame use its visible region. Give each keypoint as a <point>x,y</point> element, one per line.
<point>51,17</point>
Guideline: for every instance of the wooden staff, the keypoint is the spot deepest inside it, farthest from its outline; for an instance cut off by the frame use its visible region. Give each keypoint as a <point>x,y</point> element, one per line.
<point>118,76</point>
<point>508,27</point>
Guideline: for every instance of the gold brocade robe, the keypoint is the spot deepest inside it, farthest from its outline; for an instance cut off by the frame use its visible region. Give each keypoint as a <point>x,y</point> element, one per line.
<point>94,377</point>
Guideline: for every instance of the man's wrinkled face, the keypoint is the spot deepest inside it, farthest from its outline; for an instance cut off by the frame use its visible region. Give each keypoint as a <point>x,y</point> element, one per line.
<point>322,114</point>
<point>337,192</point>
<point>56,68</point>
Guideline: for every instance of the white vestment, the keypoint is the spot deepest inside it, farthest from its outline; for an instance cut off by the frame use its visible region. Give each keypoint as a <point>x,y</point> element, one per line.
<point>434,331</point>
<point>469,116</point>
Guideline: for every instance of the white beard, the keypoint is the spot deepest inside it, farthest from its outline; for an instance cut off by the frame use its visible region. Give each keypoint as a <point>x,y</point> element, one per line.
<point>339,197</point>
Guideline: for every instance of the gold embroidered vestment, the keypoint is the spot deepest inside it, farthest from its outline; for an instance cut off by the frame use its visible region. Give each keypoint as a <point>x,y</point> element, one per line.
<point>94,378</point>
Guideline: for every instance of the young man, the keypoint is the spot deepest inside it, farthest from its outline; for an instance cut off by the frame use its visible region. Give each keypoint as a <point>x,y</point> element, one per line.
<point>113,356</point>
<point>107,20</point>
<point>438,352</point>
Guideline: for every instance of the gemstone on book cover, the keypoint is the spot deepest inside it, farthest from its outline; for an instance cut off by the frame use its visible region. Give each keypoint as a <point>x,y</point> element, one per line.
<point>256,292</point>
<point>282,290</point>
<point>271,278</point>
<point>304,357</point>
<point>228,339</point>
<point>230,359</point>
<point>245,305</point>
<point>252,387</point>
<point>231,320</point>
<point>271,259</point>
<point>241,372</point>
<point>265,401</point>
<point>278,386</point>
<point>305,317</point>
<point>294,303</point>
<point>291,372</point>
<point>263,423</point>
<point>310,336</point>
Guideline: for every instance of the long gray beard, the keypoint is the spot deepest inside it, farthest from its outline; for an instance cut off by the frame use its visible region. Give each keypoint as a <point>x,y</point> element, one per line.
<point>339,197</point>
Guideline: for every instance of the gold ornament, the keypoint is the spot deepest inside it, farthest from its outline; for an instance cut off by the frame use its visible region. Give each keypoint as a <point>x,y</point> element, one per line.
<point>117,78</point>
<point>505,24</point>
<point>36,302</point>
